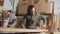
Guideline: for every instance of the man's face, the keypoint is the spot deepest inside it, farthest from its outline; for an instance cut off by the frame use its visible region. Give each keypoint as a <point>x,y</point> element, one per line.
<point>33,10</point>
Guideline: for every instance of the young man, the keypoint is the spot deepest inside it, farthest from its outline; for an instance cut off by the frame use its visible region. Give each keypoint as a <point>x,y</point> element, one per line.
<point>32,18</point>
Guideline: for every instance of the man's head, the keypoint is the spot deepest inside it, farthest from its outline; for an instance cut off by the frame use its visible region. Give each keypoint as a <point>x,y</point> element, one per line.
<point>31,9</point>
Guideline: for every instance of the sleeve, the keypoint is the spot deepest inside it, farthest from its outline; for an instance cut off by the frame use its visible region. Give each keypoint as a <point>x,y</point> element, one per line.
<point>24,22</point>
<point>38,22</point>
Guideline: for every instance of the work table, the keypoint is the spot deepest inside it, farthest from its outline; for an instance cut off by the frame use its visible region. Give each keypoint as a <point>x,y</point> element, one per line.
<point>14,30</point>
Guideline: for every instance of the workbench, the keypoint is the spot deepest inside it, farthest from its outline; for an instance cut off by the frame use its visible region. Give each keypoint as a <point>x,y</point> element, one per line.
<point>19,30</point>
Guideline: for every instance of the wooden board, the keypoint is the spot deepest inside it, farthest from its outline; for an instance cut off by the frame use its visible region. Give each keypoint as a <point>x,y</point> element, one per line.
<point>1,2</point>
<point>41,6</point>
<point>21,30</point>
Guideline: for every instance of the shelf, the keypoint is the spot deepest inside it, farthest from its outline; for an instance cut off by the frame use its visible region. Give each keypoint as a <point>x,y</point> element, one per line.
<point>12,30</point>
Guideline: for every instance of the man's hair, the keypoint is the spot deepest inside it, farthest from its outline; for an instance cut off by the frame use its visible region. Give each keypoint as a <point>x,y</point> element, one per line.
<point>30,7</point>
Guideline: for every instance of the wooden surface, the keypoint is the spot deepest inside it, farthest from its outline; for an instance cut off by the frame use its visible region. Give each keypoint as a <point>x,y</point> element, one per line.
<point>21,30</point>
<point>56,32</point>
<point>1,2</point>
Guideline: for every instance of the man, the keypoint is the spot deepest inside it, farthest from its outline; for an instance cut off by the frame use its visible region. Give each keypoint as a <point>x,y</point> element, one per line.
<point>32,19</point>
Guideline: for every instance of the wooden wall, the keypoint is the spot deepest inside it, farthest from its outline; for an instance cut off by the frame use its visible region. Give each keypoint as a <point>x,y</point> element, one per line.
<point>41,6</point>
